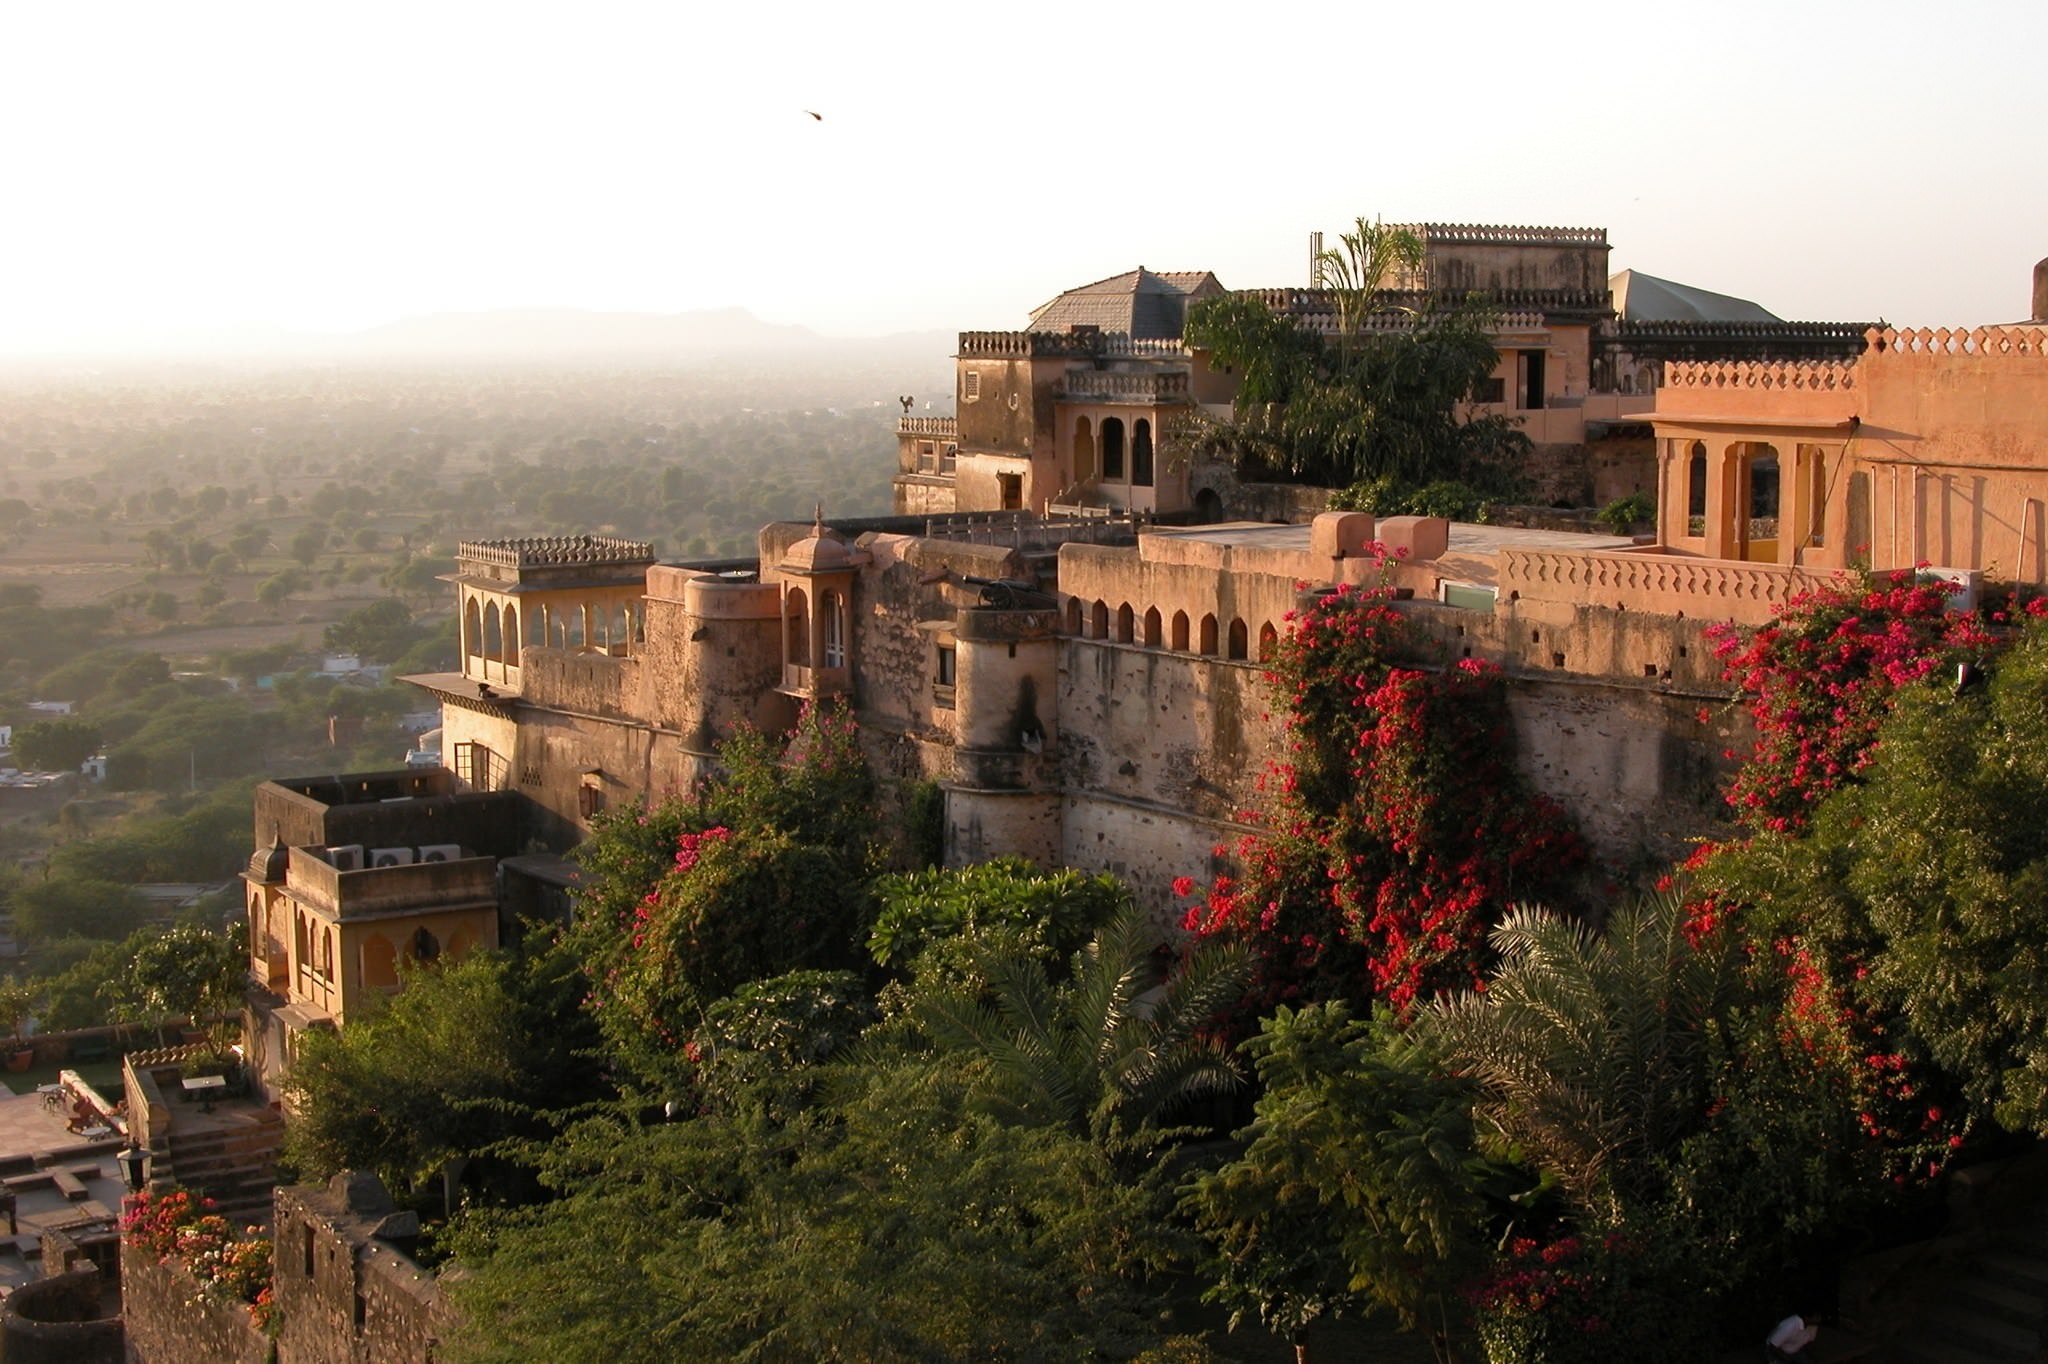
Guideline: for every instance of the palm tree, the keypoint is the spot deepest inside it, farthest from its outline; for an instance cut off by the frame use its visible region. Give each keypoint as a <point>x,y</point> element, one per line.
<point>1592,1052</point>
<point>1361,268</point>
<point>1106,1055</point>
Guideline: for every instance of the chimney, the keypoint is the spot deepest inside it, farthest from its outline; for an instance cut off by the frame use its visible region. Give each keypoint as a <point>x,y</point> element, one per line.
<point>2041,291</point>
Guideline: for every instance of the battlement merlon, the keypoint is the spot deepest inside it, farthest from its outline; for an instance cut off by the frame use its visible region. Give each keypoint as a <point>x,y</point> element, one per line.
<point>1486,234</point>
<point>556,551</point>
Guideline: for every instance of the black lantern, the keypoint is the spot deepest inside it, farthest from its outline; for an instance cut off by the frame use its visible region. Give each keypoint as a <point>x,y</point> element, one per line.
<point>134,1164</point>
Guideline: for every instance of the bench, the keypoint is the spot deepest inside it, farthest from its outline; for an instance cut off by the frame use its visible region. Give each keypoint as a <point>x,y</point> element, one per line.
<point>94,1048</point>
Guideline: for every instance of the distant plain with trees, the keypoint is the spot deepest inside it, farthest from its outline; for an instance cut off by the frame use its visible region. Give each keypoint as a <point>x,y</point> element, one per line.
<point>179,548</point>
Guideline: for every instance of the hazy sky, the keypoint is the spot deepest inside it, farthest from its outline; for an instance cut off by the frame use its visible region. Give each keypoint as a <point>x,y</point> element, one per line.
<point>170,168</point>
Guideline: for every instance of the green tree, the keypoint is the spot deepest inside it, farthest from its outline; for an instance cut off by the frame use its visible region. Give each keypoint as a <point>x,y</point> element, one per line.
<point>467,1060</point>
<point>1592,1051</point>
<point>1360,1186</point>
<point>1053,911</point>
<point>56,745</point>
<point>895,1226</point>
<point>48,910</point>
<point>307,544</point>
<point>279,588</point>
<point>189,973</point>
<point>1378,398</point>
<point>18,1000</point>
<point>1105,1056</point>
<point>380,631</point>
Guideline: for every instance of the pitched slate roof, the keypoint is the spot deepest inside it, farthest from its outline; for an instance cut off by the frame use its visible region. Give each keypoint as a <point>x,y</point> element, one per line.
<point>1146,305</point>
<point>1645,298</point>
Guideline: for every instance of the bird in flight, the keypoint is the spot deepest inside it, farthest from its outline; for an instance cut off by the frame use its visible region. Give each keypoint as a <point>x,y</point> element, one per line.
<point>817,116</point>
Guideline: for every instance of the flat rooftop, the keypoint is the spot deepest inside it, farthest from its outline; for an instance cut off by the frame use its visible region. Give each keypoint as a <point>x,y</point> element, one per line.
<point>1466,539</point>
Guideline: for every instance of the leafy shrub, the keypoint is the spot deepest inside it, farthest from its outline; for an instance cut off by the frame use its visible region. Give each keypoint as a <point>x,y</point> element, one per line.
<point>1053,912</point>
<point>1624,514</point>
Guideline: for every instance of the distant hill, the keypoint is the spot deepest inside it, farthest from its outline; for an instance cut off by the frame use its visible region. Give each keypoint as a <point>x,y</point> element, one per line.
<point>571,335</point>
<point>523,338</point>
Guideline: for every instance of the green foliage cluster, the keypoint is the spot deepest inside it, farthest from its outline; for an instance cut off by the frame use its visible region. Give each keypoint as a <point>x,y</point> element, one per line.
<point>764,871</point>
<point>1368,401</point>
<point>1048,913</point>
<point>469,1059</point>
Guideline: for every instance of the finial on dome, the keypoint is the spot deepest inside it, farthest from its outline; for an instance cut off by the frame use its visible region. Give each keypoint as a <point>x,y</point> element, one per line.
<point>818,520</point>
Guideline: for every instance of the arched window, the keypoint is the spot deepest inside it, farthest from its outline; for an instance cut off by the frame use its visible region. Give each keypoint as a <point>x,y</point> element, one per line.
<point>1141,453</point>
<point>832,621</point>
<point>1152,633</point>
<point>1098,621</point>
<point>1123,623</point>
<point>1208,648</point>
<point>1269,640</point>
<point>511,635</point>
<point>1073,615</point>
<point>1238,642</point>
<point>1696,490</point>
<point>494,641</point>
<point>425,947</point>
<point>472,630</point>
<point>1113,448</point>
<point>796,627</point>
<point>1179,642</point>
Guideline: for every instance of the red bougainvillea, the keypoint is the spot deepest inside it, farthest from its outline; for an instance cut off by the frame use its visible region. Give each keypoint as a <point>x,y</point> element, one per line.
<point>1397,830</point>
<point>1819,680</point>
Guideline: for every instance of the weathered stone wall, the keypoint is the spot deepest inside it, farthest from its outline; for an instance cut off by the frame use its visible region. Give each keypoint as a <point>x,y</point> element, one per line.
<point>1638,770</point>
<point>1558,475</point>
<point>387,809</point>
<point>1158,751</point>
<point>1236,500</point>
<point>171,1320</point>
<point>57,1321</point>
<point>595,684</point>
<point>344,1295</point>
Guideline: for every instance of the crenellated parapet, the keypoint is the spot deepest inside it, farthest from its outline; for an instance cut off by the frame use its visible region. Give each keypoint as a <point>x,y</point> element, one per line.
<point>1026,345</point>
<point>1148,386</point>
<point>1079,345</point>
<point>1540,303</point>
<point>1823,376</point>
<point>550,551</point>
<point>2019,343</point>
<point>1488,234</point>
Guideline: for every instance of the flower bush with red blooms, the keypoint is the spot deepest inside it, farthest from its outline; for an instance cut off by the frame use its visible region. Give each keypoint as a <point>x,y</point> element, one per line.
<point>1574,1299</point>
<point>1820,678</point>
<point>1396,832</point>
<point>177,1225</point>
<point>767,873</point>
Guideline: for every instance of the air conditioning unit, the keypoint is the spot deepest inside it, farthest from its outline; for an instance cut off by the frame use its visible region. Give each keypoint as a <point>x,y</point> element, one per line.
<point>440,852</point>
<point>391,857</point>
<point>346,857</point>
<point>1967,582</point>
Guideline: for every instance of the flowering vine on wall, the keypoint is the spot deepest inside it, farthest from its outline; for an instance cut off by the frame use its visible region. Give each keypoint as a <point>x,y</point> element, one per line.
<point>1396,830</point>
<point>179,1225</point>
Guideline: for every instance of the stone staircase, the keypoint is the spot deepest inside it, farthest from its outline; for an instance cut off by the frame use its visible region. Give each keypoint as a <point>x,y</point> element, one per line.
<point>1986,1306</point>
<point>232,1162</point>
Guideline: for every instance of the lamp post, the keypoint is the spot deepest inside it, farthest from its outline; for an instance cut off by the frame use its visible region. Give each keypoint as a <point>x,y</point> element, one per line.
<point>134,1163</point>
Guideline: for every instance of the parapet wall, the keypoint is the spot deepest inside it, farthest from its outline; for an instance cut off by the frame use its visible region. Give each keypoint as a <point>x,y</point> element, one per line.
<point>1671,585</point>
<point>170,1319</point>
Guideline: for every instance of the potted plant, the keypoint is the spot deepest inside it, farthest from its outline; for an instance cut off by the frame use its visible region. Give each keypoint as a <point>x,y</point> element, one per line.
<point>18,1000</point>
